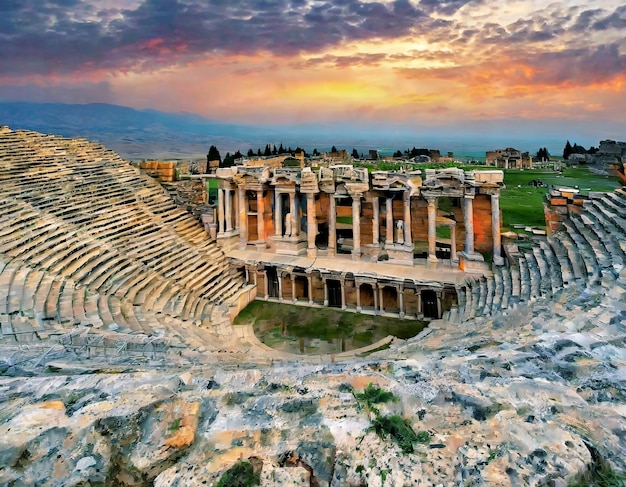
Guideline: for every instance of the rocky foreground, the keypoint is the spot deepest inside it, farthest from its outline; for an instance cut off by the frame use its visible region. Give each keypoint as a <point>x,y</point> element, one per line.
<point>533,397</point>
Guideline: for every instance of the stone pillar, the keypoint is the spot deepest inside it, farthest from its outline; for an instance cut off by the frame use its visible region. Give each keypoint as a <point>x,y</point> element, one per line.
<point>229,210</point>
<point>495,230</point>
<point>432,230</point>
<point>332,226</point>
<point>419,302</point>
<point>309,279</point>
<point>453,256</point>
<point>293,215</point>
<point>356,226</point>
<point>406,199</point>
<point>381,305</point>
<point>236,214</point>
<point>375,293</point>
<point>220,210</point>
<point>278,214</point>
<point>260,215</point>
<point>243,218</point>
<point>280,285</point>
<point>293,288</point>
<point>375,220</point>
<point>326,292</point>
<point>343,294</point>
<point>389,222</point>
<point>358,296</point>
<point>468,218</point>
<point>400,292</point>
<point>439,312</point>
<point>266,285</point>
<point>311,225</point>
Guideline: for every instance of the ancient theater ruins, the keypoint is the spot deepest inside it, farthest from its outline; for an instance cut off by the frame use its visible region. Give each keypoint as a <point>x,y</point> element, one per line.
<point>341,236</point>
<point>120,364</point>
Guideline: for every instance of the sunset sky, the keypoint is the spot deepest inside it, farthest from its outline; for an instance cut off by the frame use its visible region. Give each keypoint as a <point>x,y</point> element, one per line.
<point>455,66</point>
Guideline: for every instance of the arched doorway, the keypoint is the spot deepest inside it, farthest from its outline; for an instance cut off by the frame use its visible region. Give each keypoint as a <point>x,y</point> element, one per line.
<point>272,282</point>
<point>430,308</point>
<point>334,293</point>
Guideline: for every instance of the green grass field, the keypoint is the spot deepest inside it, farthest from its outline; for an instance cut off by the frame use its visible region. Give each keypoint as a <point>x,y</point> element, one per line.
<point>523,204</point>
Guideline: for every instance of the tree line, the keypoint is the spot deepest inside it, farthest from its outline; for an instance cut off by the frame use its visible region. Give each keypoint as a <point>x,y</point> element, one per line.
<point>570,149</point>
<point>229,159</point>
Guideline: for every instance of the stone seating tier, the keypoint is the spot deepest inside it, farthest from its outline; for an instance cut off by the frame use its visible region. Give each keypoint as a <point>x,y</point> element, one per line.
<point>89,241</point>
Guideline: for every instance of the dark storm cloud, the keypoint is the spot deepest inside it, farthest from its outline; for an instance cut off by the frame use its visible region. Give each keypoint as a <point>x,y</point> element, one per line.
<point>616,20</point>
<point>580,67</point>
<point>61,36</point>
<point>583,66</point>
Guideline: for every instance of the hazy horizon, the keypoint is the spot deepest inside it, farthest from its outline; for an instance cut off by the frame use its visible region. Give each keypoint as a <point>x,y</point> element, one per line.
<point>521,69</point>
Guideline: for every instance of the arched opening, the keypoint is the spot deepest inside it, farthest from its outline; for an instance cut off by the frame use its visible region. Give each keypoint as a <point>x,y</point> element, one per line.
<point>272,282</point>
<point>334,293</point>
<point>390,299</point>
<point>430,308</point>
<point>367,296</point>
<point>302,288</point>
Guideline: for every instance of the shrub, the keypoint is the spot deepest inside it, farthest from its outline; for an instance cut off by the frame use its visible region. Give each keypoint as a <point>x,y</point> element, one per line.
<point>400,431</point>
<point>241,474</point>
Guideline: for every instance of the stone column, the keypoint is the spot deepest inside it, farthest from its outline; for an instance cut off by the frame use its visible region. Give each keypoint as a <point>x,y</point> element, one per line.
<point>326,292</point>
<point>236,214</point>
<point>278,214</point>
<point>356,226</point>
<point>468,218</point>
<point>495,229</point>
<point>292,214</point>
<point>332,226</point>
<point>375,221</point>
<point>293,288</point>
<point>266,285</point>
<point>419,302</point>
<point>260,215</point>
<point>400,292</point>
<point>406,199</point>
<point>343,293</point>
<point>375,293</point>
<point>389,221</point>
<point>229,210</point>
<point>311,225</point>
<point>358,296</point>
<point>279,275</point>
<point>243,218</point>
<point>310,285</point>
<point>381,305</point>
<point>453,256</point>
<point>439,312</point>
<point>220,210</point>
<point>432,230</point>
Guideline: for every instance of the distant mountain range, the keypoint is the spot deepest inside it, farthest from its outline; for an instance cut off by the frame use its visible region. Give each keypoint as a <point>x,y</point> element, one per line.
<point>132,133</point>
<point>139,134</point>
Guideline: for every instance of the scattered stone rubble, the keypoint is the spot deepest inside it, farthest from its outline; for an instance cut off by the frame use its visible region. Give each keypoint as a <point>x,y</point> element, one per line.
<point>529,392</point>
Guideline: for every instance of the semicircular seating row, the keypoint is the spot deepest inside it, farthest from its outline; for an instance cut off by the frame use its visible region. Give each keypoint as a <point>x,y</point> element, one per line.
<point>85,239</point>
<point>590,248</point>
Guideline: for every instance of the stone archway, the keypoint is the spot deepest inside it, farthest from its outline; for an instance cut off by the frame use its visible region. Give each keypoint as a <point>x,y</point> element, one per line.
<point>334,293</point>
<point>272,282</point>
<point>430,308</point>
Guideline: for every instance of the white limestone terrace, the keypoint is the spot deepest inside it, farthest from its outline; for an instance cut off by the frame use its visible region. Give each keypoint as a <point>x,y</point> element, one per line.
<point>88,242</point>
